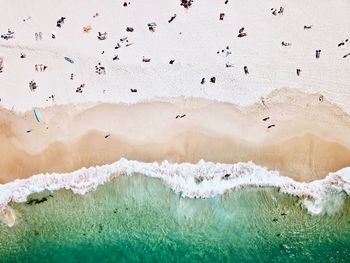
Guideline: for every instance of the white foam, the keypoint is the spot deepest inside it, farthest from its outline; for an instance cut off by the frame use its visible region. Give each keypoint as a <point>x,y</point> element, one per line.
<point>201,180</point>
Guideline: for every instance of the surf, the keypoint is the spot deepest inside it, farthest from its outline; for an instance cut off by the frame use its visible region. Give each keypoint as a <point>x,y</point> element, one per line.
<point>201,180</point>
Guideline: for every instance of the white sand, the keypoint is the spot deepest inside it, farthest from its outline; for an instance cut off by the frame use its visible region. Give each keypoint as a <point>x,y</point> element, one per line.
<point>271,66</point>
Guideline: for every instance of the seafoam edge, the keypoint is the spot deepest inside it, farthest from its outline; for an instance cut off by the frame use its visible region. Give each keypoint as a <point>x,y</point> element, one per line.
<point>201,180</point>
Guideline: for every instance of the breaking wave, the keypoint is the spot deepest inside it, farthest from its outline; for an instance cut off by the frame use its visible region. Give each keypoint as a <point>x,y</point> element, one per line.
<point>201,180</point>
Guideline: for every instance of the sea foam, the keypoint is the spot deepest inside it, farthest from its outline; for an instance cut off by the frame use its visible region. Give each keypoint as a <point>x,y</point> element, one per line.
<point>201,180</point>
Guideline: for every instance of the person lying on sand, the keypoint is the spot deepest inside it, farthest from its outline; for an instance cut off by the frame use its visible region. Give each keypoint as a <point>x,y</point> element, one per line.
<point>241,33</point>
<point>102,36</point>
<point>343,43</point>
<point>285,44</point>
<point>172,18</point>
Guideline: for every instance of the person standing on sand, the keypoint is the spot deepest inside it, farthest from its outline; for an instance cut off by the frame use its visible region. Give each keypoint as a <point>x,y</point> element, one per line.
<point>246,71</point>
<point>318,53</point>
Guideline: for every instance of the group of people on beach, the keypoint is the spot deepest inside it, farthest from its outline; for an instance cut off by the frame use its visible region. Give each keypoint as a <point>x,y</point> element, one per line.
<point>8,35</point>
<point>124,42</point>
<point>99,69</point>
<point>40,67</point>
<point>279,12</point>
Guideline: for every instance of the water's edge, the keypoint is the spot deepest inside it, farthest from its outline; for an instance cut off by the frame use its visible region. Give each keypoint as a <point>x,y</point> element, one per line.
<point>201,180</point>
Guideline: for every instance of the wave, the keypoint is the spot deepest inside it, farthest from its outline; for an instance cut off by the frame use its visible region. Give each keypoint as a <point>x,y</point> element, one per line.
<point>201,180</point>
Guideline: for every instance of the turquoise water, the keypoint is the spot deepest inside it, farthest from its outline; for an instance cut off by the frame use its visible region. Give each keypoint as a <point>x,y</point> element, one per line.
<point>137,218</point>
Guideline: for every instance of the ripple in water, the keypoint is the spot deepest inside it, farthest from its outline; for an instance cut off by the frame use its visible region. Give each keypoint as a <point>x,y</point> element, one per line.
<point>140,219</point>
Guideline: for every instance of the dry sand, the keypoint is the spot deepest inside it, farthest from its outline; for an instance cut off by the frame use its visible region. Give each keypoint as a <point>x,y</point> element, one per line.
<point>222,122</point>
<point>271,65</point>
<point>306,144</point>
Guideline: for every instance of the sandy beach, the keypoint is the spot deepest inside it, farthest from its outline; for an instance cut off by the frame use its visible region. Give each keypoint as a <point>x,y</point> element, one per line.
<point>174,130</point>
<point>193,40</point>
<point>90,83</point>
<point>306,143</point>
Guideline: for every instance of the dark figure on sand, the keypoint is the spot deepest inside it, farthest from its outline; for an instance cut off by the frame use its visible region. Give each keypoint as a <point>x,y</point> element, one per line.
<point>172,18</point>
<point>318,53</point>
<point>241,32</point>
<point>246,71</point>
<point>186,3</point>
<point>343,43</point>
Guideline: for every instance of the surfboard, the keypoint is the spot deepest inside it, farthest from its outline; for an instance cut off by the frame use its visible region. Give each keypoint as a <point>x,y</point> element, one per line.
<point>37,115</point>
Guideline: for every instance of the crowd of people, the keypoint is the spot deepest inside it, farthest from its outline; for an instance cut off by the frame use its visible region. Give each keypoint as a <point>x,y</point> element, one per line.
<point>152,26</point>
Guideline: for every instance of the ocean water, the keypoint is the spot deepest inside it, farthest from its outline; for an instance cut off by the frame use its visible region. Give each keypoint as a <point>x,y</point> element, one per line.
<point>139,218</point>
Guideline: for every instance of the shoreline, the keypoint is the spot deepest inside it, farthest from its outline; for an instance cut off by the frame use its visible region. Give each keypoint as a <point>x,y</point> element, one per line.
<point>201,180</point>
<point>306,143</point>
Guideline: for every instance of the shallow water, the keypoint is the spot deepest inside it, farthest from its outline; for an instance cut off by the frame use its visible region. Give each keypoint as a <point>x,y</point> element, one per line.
<point>138,218</point>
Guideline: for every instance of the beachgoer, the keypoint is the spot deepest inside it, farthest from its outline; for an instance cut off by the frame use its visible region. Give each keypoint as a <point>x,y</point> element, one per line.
<point>246,71</point>
<point>172,18</point>
<point>318,53</point>
<point>298,71</point>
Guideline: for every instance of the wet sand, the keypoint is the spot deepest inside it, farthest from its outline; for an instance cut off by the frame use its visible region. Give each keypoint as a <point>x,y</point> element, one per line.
<point>306,143</point>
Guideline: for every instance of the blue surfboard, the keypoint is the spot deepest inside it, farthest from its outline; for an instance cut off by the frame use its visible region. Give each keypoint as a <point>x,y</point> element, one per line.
<point>37,115</point>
